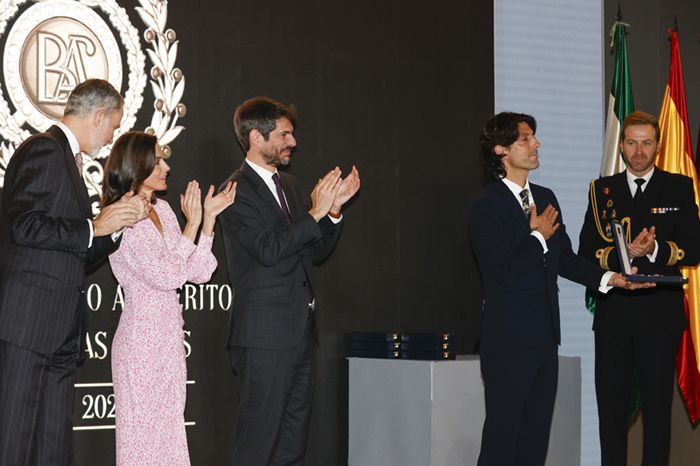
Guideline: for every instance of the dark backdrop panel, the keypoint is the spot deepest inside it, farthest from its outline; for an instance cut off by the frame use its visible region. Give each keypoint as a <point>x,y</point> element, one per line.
<point>399,88</point>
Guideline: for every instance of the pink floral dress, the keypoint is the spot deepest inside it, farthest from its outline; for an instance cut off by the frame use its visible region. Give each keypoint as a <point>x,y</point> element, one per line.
<point>148,354</point>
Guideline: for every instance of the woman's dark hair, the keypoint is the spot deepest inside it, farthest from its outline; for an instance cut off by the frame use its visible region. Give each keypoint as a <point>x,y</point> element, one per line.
<point>130,162</point>
<point>501,130</point>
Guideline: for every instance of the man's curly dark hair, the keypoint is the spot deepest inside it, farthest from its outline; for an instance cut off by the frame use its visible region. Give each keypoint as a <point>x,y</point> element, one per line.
<point>500,130</point>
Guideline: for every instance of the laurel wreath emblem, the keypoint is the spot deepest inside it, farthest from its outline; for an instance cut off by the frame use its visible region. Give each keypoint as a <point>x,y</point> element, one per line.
<point>167,83</point>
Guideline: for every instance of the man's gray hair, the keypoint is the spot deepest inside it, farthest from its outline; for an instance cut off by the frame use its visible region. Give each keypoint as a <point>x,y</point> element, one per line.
<point>92,95</point>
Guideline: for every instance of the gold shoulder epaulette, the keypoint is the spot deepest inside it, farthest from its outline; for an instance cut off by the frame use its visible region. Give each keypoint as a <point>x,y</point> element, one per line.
<point>602,255</point>
<point>676,254</point>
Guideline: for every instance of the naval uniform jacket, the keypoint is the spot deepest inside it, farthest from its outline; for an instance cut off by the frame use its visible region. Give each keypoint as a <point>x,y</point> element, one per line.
<point>667,203</point>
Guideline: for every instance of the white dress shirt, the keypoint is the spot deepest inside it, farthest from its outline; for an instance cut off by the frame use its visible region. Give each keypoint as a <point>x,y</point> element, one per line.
<point>515,188</point>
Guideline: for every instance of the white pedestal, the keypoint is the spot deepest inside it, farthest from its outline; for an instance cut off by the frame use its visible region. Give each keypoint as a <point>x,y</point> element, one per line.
<point>430,413</point>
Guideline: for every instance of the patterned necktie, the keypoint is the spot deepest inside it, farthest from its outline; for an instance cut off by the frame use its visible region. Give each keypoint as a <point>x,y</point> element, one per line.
<point>638,193</point>
<point>288,216</point>
<point>525,202</point>
<point>79,163</point>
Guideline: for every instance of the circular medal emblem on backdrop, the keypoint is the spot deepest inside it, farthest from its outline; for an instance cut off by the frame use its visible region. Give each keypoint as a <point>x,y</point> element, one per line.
<point>53,45</point>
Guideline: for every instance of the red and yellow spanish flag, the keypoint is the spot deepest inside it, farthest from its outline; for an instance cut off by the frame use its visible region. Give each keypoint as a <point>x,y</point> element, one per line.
<point>676,156</point>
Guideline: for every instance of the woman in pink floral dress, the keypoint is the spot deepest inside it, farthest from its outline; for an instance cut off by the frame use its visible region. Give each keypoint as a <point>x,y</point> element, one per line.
<point>154,259</point>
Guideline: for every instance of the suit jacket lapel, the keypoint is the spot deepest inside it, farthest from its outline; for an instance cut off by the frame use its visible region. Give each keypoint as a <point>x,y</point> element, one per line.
<point>542,199</point>
<point>263,190</point>
<point>290,194</point>
<point>75,177</point>
<point>513,207</point>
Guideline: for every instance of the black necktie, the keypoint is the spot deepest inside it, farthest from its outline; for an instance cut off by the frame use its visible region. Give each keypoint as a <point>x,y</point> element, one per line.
<point>288,216</point>
<point>525,202</point>
<point>638,193</point>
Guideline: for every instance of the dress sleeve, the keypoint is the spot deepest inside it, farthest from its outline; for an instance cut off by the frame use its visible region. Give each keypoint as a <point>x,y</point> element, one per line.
<point>143,254</point>
<point>201,263</point>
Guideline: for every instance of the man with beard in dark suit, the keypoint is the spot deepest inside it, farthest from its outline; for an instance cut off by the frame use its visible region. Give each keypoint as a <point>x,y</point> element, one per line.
<point>272,238</point>
<point>521,244</point>
<point>47,239</point>
<point>639,332</point>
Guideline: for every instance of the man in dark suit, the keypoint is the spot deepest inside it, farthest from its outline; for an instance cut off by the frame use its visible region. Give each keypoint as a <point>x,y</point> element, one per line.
<point>639,332</point>
<point>272,239</point>
<point>521,245</point>
<point>47,238</point>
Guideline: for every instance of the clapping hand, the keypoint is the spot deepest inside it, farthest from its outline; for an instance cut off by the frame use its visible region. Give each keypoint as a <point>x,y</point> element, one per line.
<point>324,194</point>
<point>348,188</point>
<point>643,244</point>
<point>191,204</point>
<point>214,205</point>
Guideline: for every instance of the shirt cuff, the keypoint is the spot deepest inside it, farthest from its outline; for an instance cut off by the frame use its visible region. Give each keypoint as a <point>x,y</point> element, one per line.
<point>336,220</point>
<point>652,256</point>
<point>541,239</point>
<point>115,236</point>
<point>604,280</point>
<point>92,233</point>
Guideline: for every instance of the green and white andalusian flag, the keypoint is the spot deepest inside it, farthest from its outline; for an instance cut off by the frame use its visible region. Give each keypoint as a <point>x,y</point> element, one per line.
<point>620,103</point>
